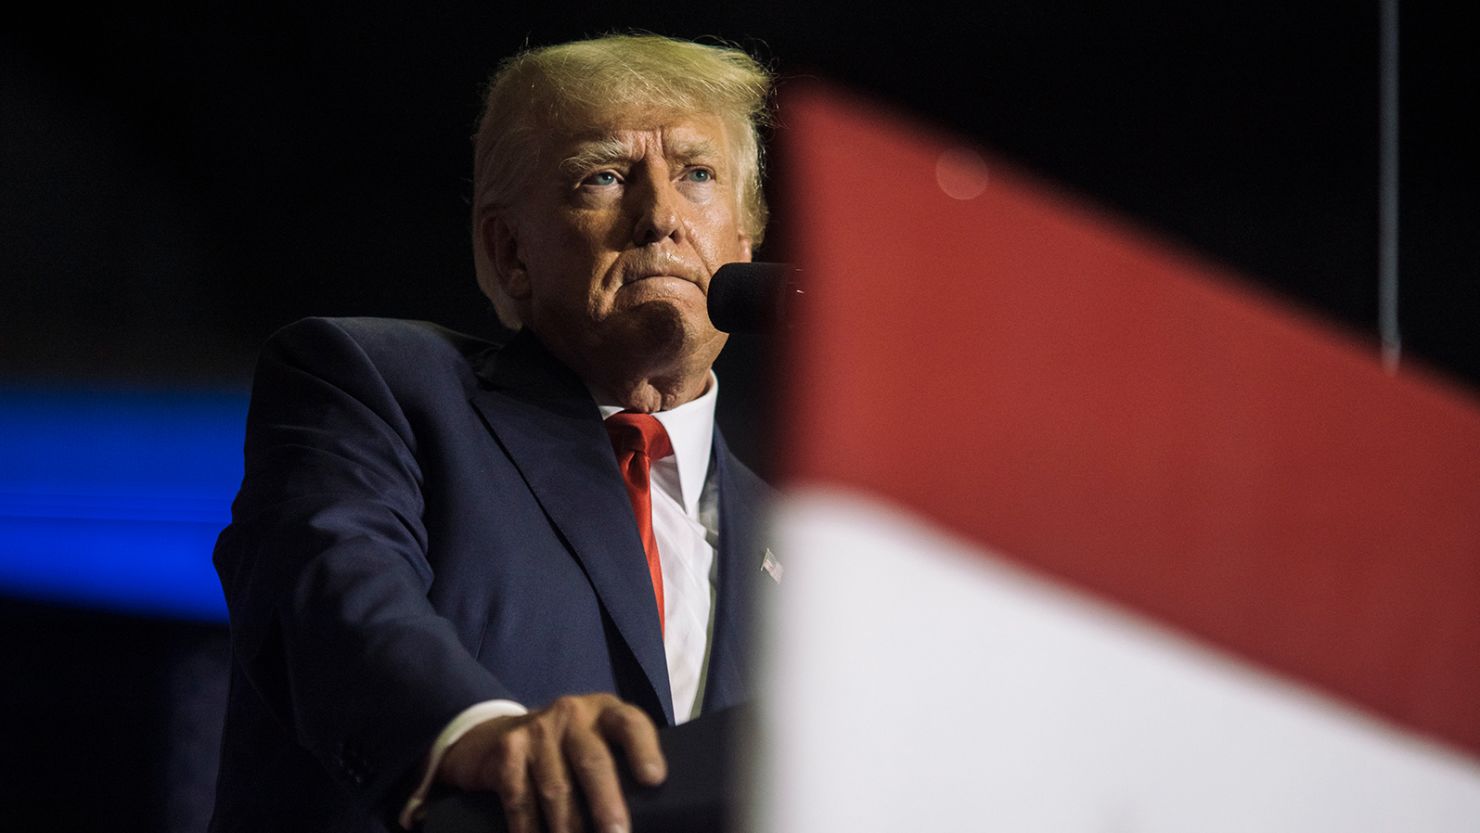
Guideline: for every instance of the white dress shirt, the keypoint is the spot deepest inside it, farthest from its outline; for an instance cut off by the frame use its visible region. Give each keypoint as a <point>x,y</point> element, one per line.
<point>684,524</point>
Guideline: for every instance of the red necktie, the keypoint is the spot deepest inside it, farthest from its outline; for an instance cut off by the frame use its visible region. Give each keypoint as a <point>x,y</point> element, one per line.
<point>639,439</point>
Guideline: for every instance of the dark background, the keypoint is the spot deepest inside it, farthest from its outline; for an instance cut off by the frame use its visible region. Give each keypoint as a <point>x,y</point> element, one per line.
<point>177,181</point>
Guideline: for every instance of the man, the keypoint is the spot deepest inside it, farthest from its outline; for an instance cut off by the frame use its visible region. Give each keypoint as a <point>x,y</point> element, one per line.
<point>442,566</point>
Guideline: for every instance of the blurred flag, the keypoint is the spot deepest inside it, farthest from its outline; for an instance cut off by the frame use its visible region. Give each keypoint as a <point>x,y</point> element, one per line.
<point>1083,533</point>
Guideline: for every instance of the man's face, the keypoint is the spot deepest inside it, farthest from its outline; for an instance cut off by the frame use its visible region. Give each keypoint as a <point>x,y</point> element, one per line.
<point>618,237</point>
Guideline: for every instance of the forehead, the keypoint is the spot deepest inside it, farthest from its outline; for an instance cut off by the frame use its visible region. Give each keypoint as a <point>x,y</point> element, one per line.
<point>672,133</point>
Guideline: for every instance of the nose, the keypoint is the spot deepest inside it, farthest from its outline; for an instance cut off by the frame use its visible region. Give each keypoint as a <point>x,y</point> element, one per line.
<point>658,210</point>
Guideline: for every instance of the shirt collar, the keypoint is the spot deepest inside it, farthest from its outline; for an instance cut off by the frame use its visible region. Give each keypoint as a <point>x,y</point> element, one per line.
<point>690,429</point>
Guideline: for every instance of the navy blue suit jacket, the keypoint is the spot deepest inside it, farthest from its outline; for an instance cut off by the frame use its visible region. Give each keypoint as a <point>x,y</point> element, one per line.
<point>427,521</point>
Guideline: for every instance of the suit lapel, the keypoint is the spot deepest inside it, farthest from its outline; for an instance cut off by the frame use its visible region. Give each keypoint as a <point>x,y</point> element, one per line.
<point>544,419</point>
<point>742,500</point>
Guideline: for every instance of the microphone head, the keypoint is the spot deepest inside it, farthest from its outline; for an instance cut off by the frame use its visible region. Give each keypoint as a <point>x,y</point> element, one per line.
<point>750,297</point>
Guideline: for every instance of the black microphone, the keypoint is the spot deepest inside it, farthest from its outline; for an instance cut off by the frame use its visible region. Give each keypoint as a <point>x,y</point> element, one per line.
<point>752,297</point>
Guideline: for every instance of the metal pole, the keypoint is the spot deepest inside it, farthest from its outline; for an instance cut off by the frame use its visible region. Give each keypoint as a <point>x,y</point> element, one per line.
<point>1387,190</point>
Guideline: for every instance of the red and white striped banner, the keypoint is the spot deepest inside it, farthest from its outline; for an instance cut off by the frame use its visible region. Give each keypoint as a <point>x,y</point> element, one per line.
<point>1085,533</point>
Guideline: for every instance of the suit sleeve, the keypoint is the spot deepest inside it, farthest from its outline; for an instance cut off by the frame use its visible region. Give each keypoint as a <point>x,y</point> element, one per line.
<point>325,569</point>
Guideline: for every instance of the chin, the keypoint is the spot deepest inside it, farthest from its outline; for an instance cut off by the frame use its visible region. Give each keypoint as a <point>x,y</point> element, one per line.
<point>666,333</point>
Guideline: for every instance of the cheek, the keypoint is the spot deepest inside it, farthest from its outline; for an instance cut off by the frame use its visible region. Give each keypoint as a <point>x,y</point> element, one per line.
<point>721,236</point>
<point>592,239</point>
<point>566,250</point>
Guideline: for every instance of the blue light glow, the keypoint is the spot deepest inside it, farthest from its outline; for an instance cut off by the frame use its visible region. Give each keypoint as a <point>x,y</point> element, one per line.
<point>114,498</point>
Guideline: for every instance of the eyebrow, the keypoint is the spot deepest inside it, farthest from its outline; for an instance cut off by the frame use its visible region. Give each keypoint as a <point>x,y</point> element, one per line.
<point>596,153</point>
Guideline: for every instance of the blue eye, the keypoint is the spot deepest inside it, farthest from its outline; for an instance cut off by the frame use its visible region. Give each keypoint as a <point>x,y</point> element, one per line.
<point>701,175</point>
<point>602,178</point>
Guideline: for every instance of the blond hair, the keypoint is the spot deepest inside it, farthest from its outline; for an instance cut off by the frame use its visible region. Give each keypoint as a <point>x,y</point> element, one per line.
<point>572,85</point>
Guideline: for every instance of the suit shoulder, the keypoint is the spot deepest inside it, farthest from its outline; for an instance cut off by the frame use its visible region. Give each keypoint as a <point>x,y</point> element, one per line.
<point>411,358</point>
<point>381,337</point>
<point>395,346</point>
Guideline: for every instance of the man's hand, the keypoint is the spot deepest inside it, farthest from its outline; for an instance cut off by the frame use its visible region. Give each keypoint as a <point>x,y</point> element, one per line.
<point>535,762</point>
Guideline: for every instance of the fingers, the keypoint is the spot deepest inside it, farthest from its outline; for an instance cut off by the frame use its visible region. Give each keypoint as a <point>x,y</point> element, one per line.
<point>552,781</point>
<point>507,772</point>
<point>596,771</point>
<point>545,764</point>
<point>627,726</point>
<point>520,814</point>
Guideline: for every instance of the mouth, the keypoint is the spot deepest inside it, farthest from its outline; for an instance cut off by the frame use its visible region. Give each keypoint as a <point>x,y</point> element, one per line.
<point>659,266</point>
<point>659,278</point>
<point>663,280</point>
<point>661,287</point>
<point>647,276</point>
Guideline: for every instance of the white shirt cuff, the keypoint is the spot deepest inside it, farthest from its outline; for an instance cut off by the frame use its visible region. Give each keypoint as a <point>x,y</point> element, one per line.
<point>477,713</point>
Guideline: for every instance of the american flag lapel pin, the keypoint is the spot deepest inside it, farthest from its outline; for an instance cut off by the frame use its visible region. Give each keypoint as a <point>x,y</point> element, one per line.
<point>772,565</point>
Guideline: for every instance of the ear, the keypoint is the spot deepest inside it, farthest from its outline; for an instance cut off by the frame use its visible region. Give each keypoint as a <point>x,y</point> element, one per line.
<point>501,241</point>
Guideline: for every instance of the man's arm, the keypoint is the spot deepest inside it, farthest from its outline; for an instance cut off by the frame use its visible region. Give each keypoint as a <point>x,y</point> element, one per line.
<point>325,568</point>
<point>326,574</point>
